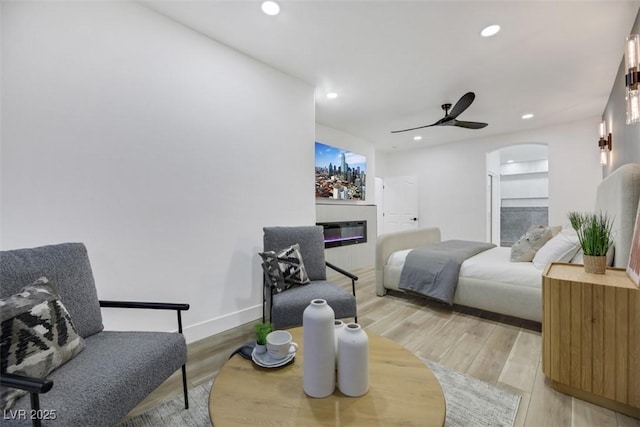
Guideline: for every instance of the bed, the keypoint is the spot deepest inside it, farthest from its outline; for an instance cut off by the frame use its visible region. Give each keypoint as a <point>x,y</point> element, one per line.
<point>488,280</point>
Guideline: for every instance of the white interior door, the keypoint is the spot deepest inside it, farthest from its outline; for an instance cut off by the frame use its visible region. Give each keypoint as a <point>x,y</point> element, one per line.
<point>400,203</point>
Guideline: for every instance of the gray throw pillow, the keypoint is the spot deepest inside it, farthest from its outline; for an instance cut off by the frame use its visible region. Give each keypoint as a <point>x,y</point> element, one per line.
<point>285,268</point>
<point>37,335</point>
<point>526,247</point>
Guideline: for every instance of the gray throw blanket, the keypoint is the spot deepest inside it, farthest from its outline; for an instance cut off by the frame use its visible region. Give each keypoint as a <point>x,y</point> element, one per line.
<point>432,270</point>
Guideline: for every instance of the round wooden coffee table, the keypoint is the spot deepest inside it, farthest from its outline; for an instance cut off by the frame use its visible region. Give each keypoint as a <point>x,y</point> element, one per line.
<point>402,392</point>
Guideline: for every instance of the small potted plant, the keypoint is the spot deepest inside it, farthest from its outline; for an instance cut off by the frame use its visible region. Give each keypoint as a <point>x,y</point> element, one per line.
<point>594,234</point>
<point>262,330</point>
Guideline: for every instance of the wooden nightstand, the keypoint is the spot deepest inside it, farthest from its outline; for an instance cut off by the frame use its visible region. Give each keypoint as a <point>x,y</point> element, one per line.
<point>591,336</point>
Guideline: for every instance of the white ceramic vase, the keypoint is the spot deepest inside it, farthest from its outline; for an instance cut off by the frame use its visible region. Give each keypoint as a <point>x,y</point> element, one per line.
<point>318,368</point>
<point>353,360</point>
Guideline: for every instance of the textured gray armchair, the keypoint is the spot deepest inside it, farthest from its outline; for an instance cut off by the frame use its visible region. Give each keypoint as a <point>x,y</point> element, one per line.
<point>284,309</point>
<point>114,371</point>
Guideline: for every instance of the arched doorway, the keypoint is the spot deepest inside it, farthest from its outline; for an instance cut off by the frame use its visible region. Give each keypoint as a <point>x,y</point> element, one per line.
<point>517,191</point>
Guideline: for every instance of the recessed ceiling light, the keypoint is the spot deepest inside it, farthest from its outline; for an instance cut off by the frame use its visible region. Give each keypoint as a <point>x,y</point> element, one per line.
<point>270,8</point>
<point>527,116</point>
<point>417,138</point>
<point>332,95</point>
<point>509,161</point>
<point>491,30</point>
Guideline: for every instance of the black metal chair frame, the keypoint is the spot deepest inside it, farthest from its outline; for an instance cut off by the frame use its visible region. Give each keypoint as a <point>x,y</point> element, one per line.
<point>269,289</point>
<point>37,386</point>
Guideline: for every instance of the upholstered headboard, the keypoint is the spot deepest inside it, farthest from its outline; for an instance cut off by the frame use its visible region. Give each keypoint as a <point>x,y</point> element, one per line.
<point>387,244</point>
<point>618,195</point>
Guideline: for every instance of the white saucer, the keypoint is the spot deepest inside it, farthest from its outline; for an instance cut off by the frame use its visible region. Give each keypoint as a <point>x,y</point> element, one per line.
<point>266,361</point>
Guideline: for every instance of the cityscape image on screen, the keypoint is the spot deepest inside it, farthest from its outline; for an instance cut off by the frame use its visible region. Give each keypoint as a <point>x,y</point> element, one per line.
<point>340,174</point>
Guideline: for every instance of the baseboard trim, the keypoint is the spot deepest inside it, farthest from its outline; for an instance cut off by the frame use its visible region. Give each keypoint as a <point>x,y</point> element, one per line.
<point>223,323</point>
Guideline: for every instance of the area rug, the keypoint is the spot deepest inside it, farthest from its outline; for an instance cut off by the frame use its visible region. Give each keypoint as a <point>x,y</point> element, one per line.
<point>470,402</point>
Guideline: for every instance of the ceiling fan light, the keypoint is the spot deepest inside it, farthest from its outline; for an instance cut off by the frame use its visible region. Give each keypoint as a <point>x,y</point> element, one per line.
<point>489,31</point>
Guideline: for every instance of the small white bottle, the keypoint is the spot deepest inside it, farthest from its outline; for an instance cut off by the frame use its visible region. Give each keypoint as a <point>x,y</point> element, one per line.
<point>353,360</point>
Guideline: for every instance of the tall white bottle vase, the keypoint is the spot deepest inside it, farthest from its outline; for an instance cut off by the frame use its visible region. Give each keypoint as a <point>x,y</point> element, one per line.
<point>353,360</point>
<point>338,326</point>
<point>318,368</point>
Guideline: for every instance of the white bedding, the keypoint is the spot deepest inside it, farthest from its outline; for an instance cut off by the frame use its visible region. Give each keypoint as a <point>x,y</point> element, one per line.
<point>489,281</point>
<point>492,265</point>
<point>487,264</point>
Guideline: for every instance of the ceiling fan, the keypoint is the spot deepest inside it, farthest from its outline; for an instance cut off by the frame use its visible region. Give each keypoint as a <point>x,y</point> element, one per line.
<point>449,119</point>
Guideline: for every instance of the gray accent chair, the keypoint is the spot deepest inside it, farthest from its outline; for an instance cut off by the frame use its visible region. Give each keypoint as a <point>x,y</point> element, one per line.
<point>285,309</point>
<point>116,370</point>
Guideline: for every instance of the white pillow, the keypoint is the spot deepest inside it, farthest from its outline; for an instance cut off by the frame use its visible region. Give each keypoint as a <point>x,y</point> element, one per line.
<point>561,248</point>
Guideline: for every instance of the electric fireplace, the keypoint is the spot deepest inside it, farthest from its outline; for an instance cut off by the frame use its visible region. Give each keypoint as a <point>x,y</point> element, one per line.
<point>343,233</point>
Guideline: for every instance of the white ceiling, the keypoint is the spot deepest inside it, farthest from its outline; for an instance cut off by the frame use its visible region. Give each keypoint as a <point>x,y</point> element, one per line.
<point>393,63</point>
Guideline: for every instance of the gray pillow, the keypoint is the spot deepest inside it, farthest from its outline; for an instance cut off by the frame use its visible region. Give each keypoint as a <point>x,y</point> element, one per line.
<point>526,247</point>
<point>37,335</point>
<point>285,268</point>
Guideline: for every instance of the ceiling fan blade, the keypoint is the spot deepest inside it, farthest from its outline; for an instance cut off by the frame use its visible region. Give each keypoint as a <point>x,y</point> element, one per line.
<point>462,104</point>
<point>450,119</point>
<point>419,127</point>
<point>470,125</point>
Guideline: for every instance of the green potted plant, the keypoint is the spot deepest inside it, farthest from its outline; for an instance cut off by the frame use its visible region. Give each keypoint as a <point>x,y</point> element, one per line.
<point>262,330</point>
<point>594,234</point>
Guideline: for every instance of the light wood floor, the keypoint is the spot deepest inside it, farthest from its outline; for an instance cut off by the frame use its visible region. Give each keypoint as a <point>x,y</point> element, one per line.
<point>499,350</point>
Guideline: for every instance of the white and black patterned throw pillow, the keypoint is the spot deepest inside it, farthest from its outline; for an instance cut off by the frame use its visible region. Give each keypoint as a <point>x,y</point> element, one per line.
<point>285,268</point>
<point>37,335</point>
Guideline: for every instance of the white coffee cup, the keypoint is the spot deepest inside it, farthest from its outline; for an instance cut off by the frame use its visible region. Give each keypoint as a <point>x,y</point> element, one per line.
<point>279,345</point>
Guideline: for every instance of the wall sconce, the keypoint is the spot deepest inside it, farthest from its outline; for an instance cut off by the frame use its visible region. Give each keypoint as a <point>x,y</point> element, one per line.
<point>604,143</point>
<point>632,77</point>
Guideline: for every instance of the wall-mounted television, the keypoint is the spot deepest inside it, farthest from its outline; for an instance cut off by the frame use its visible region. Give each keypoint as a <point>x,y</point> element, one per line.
<point>340,174</point>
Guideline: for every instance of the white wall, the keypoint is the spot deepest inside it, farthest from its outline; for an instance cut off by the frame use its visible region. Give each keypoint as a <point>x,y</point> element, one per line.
<point>525,184</point>
<point>163,151</point>
<point>353,256</point>
<point>452,176</point>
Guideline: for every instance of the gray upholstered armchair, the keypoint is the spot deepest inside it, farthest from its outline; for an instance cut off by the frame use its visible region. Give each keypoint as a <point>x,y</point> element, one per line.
<point>284,309</point>
<point>108,372</point>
